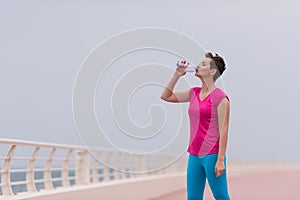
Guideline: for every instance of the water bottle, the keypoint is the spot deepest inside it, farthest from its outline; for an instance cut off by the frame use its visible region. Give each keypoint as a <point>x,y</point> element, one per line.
<point>185,66</point>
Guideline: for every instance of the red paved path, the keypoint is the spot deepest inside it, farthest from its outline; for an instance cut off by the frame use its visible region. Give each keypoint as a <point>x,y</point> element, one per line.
<point>269,185</point>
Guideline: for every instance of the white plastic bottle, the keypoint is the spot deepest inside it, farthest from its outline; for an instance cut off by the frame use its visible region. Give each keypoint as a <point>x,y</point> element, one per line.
<point>185,66</point>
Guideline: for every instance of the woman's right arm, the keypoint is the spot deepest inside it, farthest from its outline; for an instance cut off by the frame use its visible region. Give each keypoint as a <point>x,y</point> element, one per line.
<point>175,97</point>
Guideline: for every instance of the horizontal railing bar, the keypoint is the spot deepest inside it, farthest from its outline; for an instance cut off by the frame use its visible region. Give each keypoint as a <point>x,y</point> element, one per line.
<point>19,182</point>
<point>60,146</point>
<point>19,170</point>
<point>56,169</point>
<point>51,145</point>
<point>38,144</point>
<point>70,168</point>
<point>39,170</point>
<point>36,181</point>
<point>21,158</point>
<point>39,158</point>
<point>39,180</point>
<point>56,179</point>
<point>44,158</point>
<point>61,168</point>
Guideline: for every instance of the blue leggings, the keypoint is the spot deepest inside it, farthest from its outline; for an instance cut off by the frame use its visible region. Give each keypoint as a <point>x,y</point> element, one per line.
<point>201,167</point>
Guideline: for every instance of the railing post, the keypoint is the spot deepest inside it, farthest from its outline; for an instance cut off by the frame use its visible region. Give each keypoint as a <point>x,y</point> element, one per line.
<point>65,171</point>
<point>30,173</point>
<point>117,171</point>
<point>124,164</point>
<point>142,164</point>
<point>106,169</point>
<point>95,176</point>
<point>82,167</point>
<point>132,164</point>
<point>47,172</point>
<point>5,176</point>
<point>154,165</point>
<point>150,165</point>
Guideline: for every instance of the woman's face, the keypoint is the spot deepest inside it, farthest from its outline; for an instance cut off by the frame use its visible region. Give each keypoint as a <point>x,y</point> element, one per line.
<point>204,70</point>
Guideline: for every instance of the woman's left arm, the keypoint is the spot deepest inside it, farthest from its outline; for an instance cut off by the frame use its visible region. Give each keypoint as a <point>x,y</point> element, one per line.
<point>223,121</point>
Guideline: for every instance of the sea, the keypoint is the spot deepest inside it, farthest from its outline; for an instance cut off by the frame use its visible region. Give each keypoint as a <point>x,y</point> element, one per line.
<point>39,175</point>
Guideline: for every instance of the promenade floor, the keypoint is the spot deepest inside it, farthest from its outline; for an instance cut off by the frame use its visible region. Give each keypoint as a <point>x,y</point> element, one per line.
<point>264,185</point>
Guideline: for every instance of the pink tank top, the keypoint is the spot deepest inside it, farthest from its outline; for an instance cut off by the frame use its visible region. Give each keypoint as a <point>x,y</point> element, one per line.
<point>204,126</point>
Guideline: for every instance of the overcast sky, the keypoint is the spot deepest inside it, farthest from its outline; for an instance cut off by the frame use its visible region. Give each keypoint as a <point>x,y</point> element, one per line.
<point>43,44</point>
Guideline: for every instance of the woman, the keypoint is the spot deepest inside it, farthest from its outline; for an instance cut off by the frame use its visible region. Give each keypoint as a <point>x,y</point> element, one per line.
<point>208,111</point>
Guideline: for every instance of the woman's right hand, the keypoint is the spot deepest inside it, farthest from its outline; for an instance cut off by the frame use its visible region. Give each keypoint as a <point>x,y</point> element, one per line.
<point>181,66</point>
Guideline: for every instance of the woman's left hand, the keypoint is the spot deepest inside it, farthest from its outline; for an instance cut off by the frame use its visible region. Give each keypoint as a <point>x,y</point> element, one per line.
<point>219,168</point>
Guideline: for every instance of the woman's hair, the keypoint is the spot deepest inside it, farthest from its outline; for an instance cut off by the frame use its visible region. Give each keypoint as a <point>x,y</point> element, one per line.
<point>216,63</point>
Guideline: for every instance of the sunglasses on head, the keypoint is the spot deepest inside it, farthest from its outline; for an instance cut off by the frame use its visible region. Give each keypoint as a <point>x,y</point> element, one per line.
<point>214,54</point>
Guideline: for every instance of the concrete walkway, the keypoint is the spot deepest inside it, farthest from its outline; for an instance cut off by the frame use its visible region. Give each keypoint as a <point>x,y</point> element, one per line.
<point>274,184</point>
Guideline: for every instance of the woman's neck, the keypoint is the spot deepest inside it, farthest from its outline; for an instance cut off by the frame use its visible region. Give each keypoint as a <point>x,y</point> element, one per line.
<point>208,86</point>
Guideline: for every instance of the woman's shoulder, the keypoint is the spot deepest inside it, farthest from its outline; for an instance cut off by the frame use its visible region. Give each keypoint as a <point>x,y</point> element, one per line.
<point>195,88</point>
<point>194,91</point>
<point>221,91</point>
<point>218,95</point>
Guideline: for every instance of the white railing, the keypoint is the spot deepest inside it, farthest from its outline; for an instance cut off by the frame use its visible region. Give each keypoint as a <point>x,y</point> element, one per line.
<point>48,166</point>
